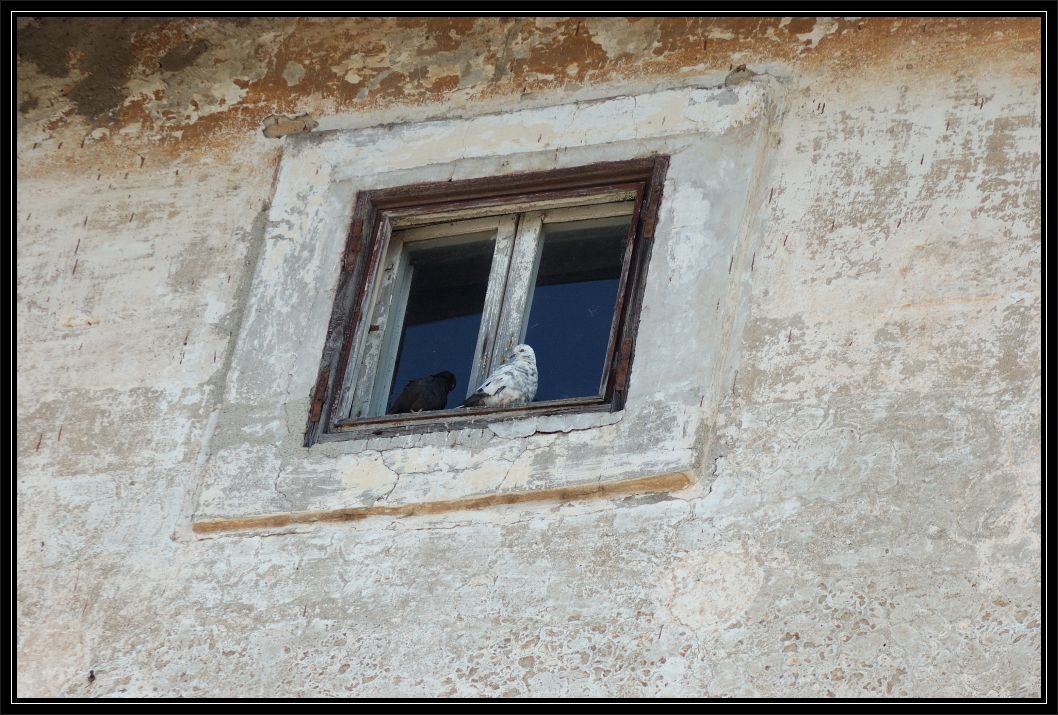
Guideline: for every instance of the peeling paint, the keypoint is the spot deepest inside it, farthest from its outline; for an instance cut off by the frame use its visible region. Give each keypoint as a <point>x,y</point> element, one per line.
<point>546,425</point>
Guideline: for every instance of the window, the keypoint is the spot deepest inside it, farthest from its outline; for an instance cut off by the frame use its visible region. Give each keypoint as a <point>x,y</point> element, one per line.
<point>449,277</point>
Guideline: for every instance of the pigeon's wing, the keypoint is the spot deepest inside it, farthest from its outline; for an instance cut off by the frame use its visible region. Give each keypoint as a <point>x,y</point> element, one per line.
<point>433,395</point>
<point>482,396</point>
<point>407,398</point>
<point>499,381</point>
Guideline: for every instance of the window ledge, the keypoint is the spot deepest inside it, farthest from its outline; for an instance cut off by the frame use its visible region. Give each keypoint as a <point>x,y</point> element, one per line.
<point>464,418</point>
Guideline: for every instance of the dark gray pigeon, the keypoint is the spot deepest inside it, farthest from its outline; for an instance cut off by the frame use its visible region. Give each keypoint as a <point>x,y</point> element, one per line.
<point>424,393</point>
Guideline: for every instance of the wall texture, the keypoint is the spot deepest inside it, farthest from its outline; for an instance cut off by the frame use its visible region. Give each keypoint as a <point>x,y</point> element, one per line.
<point>867,522</point>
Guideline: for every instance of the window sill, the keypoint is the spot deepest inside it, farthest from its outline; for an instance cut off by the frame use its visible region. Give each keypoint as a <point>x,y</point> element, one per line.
<point>461,418</point>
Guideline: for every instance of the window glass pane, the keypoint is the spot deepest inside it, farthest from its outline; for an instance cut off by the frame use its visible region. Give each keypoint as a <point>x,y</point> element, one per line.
<point>445,302</point>
<point>573,304</point>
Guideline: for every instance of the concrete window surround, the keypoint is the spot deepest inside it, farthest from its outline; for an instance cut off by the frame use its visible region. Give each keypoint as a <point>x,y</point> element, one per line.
<point>255,471</point>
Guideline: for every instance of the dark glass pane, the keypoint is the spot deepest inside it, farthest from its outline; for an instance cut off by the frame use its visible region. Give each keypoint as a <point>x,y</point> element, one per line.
<point>441,322</point>
<point>573,304</point>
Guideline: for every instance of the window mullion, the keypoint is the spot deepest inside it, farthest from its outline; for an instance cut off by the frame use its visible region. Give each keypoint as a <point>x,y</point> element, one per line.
<point>490,316</point>
<point>357,401</point>
<point>392,329</point>
<point>521,277</point>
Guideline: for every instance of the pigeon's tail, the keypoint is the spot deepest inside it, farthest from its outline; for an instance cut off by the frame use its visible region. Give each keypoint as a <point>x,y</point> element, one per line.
<point>475,400</point>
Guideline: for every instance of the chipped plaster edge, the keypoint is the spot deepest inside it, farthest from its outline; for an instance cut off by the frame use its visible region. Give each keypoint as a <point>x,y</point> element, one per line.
<point>752,228</point>
<point>541,99</point>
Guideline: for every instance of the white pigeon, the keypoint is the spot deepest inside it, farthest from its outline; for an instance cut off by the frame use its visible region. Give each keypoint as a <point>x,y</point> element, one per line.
<point>513,383</point>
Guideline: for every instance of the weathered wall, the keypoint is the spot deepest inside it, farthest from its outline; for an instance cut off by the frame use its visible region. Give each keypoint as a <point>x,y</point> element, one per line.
<point>872,521</point>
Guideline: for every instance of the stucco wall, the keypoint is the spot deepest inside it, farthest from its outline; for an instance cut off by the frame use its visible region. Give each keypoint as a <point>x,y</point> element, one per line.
<point>867,518</point>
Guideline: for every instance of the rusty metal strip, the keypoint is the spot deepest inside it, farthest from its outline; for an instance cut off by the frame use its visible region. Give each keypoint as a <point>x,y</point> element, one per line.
<point>672,481</point>
<point>319,395</point>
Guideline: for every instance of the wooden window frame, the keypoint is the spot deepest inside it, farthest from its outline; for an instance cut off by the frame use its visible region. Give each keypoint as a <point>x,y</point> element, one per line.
<point>378,212</point>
